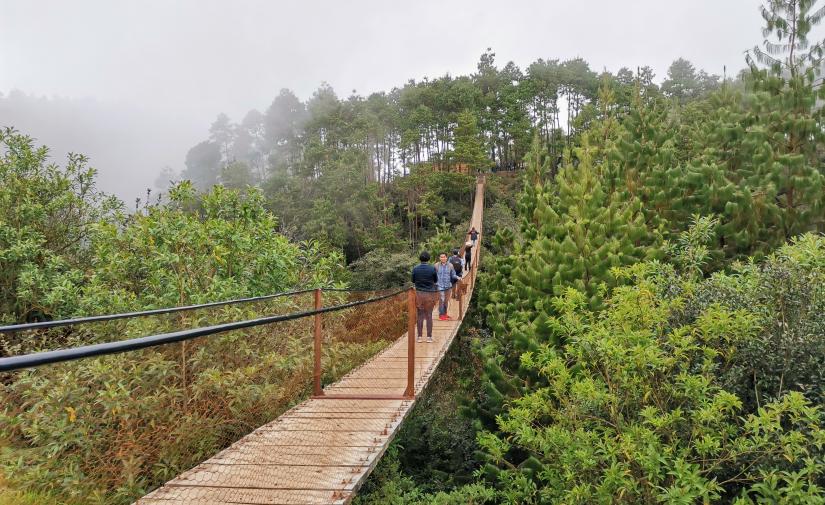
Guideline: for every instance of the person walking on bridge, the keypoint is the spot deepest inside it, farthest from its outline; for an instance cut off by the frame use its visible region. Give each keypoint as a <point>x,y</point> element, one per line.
<point>446,278</point>
<point>458,265</point>
<point>473,233</point>
<point>457,262</point>
<point>425,280</point>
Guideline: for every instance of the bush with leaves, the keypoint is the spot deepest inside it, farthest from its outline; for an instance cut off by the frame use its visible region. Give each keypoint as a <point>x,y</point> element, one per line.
<point>633,410</point>
<point>196,248</point>
<point>47,215</point>
<point>786,292</point>
<point>497,218</point>
<point>380,269</point>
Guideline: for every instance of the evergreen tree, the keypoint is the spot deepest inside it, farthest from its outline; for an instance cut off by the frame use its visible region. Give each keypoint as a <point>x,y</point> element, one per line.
<point>237,175</point>
<point>469,146</point>
<point>789,22</point>
<point>573,233</point>
<point>203,165</point>
<point>643,165</point>
<point>681,82</point>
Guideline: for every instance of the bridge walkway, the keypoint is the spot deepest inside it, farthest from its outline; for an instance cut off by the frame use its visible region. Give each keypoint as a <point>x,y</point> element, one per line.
<point>322,450</point>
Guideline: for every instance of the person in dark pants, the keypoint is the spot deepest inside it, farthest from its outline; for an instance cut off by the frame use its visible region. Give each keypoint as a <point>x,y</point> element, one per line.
<point>473,233</point>
<point>424,278</point>
<point>457,262</point>
<point>458,265</point>
<point>468,256</point>
<point>446,278</point>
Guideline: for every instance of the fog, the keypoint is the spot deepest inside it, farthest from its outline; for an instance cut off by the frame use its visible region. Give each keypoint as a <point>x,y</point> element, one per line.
<point>135,85</point>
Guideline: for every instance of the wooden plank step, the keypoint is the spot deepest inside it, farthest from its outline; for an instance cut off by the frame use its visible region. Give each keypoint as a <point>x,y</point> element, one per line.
<point>315,439</point>
<point>219,496</point>
<point>355,456</point>
<point>317,478</point>
<point>373,425</point>
<point>336,415</point>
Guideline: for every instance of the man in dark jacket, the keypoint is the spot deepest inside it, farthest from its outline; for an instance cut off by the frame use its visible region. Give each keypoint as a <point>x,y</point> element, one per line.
<point>473,233</point>
<point>457,262</point>
<point>424,278</point>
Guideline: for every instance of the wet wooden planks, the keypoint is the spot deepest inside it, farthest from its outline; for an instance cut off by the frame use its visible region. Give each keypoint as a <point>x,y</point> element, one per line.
<point>320,451</point>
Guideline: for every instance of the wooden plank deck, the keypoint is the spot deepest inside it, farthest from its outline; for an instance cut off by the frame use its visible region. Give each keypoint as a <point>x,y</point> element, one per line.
<point>322,450</point>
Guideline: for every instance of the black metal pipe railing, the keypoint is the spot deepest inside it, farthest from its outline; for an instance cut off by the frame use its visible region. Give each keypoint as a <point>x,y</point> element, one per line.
<point>168,310</point>
<point>13,363</point>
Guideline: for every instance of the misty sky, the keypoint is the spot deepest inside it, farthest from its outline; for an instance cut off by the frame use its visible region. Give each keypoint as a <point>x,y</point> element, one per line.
<point>176,64</point>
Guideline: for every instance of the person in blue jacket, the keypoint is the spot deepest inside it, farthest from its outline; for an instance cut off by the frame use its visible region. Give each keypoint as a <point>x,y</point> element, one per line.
<point>446,278</point>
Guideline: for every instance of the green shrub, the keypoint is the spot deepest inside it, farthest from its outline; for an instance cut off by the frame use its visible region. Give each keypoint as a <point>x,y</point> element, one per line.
<point>381,269</point>
<point>633,405</point>
<point>47,215</point>
<point>786,293</point>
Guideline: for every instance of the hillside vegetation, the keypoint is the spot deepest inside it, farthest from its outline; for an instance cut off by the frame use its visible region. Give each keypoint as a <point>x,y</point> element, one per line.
<point>649,325</point>
<point>653,328</point>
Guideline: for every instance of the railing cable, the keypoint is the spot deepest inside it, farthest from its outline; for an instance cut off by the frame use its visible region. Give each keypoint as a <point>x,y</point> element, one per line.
<point>43,358</point>
<point>168,310</point>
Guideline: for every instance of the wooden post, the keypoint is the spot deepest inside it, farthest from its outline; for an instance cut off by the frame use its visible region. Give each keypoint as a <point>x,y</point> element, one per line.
<point>461,302</point>
<point>411,317</point>
<point>316,375</point>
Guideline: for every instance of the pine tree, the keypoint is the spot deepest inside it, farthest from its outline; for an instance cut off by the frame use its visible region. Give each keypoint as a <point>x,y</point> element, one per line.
<point>760,169</point>
<point>573,233</point>
<point>644,164</point>
<point>469,146</point>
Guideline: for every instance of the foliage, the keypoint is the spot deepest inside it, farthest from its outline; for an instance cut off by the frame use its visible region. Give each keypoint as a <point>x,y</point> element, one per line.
<point>684,83</point>
<point>632,408</point>
<point>498,218</point>
<point>572,234</point>
<point>340,207</point>
<point>790,22</point>
<point>786,295</point>
<point>381,269</point>
<point>335,168</point>
<point>469,147</point>
<point>224,245</point>
<point>759,170</point>
<point>47,215</point>
<point>203,164</point>
<point>446,239</point>
<point>389,485</point>
<point>434,197</point>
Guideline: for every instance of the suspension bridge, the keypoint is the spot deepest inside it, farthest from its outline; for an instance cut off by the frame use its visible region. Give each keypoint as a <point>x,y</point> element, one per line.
<point>323,449</point>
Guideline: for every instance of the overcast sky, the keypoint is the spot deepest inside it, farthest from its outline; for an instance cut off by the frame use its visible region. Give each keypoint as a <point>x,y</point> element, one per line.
<point>183,62</point>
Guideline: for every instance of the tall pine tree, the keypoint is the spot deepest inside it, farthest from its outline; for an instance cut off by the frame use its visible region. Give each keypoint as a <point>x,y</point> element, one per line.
<point>573,233</point>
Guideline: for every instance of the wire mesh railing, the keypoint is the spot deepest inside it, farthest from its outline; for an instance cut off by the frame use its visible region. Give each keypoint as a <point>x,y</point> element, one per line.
<point>117,424</point>
<point>111,417</point>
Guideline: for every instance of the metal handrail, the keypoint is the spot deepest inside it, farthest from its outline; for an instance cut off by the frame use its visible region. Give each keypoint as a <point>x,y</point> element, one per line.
<point>60,355</point>
<point>126,315</point>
